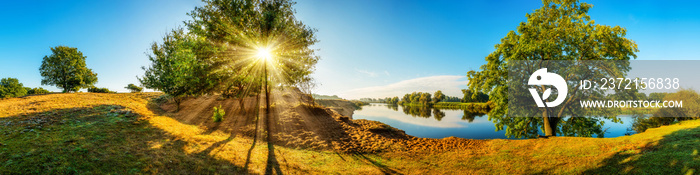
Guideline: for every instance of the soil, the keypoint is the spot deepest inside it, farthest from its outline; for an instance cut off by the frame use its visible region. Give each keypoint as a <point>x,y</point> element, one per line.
<point>342,107</point>
<point>294,122</point>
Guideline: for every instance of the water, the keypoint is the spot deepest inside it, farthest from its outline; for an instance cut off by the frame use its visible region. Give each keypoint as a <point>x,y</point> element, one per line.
<point>450,122</point>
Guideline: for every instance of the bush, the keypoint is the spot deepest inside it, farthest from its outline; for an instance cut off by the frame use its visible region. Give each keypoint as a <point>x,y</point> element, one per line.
<point>134,88</point>
<point>10,87</point>
<point>162,99</point>
<point>99,90</point>
<point>37,91</point>
<point>218,114</point>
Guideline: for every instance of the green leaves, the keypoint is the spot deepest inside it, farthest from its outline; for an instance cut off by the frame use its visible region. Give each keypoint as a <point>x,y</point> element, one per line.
<point>10,87</point>
<point>559,30</point>
<point>66,69</point>
<point>133,88</point>
<point>216,54</point>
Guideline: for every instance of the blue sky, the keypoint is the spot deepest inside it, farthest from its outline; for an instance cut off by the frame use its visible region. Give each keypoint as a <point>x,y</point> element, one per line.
<point>368,48</point>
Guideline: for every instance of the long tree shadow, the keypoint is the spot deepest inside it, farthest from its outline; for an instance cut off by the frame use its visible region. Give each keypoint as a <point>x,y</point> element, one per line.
<point>676,153</point>
<point>385,169</point>
<point>273,165</point>
<point>102,139</point>
<point>255,137</point>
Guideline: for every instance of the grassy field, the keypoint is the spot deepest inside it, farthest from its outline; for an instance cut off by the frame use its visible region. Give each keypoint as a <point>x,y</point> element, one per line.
<point>128,134</point>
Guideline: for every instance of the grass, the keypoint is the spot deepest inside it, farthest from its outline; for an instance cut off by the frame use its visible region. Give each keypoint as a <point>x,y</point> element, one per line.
<point>90,133</point>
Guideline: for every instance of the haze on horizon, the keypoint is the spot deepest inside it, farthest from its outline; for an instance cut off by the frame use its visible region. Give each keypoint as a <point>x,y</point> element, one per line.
<point>368,48</point>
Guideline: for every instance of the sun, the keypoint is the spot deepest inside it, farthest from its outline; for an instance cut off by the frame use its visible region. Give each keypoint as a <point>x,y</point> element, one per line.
<point>264,53</point>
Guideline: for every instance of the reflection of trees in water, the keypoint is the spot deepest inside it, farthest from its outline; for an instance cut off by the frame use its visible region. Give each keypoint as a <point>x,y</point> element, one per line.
<point>436,113</point>
<point>417,111</point>
<point>471,115</point>
<point>394,107</point>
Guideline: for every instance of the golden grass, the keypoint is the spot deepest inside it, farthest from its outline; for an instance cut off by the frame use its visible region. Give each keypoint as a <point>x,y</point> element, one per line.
<point>85,136</point>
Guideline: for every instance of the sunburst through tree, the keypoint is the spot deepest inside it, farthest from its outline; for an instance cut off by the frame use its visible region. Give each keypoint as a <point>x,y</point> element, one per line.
<point>231,48</point>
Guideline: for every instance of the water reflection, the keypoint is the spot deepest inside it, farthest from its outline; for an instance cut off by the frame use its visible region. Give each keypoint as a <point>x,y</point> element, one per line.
<point>436,113</point>
<point>440,123</point>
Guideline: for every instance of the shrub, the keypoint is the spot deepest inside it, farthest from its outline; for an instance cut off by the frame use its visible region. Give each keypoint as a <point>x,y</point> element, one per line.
<point>37,90</point>
<point>162,99</point>
<point>10,87</point>
<point>218,114</point>
<point>99,90</point>
<point>134,88</point>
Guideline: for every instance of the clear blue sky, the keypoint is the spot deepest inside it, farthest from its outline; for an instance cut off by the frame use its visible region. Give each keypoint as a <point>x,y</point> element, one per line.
<point>368,48</point>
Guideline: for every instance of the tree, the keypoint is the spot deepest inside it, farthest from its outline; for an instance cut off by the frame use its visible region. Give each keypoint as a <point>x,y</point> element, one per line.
<point>559,30</point>
<point>438,96</point>
<point>182,66</point>
<point>246,26</point>
<point>471,97</point>
<point>133,88</point>
<point>394,100</point>
<point>425,98</point>
<point>307,86</point>
<point>10,87</point>
<point>37,90</point>
<point>65,68</point>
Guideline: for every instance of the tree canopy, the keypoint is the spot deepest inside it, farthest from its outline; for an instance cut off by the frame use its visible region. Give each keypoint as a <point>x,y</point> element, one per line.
<point>11,87</point>
<point>218,52</point>
<point>133,88</point>
<point>559,30</point>
<point>65,68</point>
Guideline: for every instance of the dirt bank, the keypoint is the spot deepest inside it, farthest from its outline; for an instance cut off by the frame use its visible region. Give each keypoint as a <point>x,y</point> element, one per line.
<point>298,124</point>
<point>342,107</point>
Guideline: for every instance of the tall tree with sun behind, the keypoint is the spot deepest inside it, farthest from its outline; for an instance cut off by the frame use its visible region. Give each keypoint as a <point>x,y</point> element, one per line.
<point>254,29</point>
<point>230,47</point>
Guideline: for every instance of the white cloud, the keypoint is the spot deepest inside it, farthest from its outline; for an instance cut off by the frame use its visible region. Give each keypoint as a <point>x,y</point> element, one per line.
<point>366,72</point>
<point>449,84</point>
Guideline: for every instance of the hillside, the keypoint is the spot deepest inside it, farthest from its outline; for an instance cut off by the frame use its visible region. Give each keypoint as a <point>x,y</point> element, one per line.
<point>342,107</point>
<point>131,133</point>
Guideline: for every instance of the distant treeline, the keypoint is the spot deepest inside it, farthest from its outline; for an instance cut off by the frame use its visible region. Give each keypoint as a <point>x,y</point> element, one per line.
<point>427,99</point>
<point>325,97</point>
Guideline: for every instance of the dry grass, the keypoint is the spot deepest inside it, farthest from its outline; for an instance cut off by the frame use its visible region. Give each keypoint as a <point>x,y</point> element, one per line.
<point>124,134</point>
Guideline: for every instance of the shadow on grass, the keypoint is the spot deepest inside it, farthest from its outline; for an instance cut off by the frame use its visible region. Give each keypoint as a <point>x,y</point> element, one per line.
<point>97,140</point>
<point>676,153</point>
<point>385,169</point>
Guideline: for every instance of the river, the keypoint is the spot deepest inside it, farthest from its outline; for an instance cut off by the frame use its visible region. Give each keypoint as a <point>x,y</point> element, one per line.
<point>450,122</point>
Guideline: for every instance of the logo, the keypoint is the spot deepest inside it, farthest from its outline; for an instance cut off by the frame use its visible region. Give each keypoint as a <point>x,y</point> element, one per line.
<point>542,77</point>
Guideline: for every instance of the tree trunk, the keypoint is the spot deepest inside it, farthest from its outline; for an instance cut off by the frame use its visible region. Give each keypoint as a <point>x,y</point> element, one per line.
<point>548,131</point>
<point>241,105</point>
<point>177,102</point>
<point>550,124</point>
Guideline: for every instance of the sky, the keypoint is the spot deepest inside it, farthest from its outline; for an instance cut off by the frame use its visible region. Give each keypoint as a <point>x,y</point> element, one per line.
<point>368,48</point>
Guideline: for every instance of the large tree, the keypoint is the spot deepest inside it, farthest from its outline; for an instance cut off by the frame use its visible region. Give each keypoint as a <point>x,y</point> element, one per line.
<point>66,69</point>
<point>220,51</point>
<point>559,30</point>
<point>244,27</point>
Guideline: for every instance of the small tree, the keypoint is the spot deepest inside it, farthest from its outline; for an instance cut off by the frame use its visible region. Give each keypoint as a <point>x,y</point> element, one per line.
<point>66,69</point>
<point>10,87</point>
<point>181,66</point>
<point>133,88</point>
<point>438,96</point>
<point>36,91</point>
<point>306,86</point>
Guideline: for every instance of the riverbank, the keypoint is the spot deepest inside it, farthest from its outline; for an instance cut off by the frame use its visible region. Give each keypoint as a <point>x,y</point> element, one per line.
<point>129,133</point>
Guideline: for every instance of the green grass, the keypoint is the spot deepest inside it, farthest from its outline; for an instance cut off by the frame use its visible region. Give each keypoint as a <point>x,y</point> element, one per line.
<point>86,133</point>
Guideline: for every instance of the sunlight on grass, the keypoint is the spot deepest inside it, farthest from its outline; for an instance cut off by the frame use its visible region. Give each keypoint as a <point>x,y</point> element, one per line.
<point>89,134</point>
